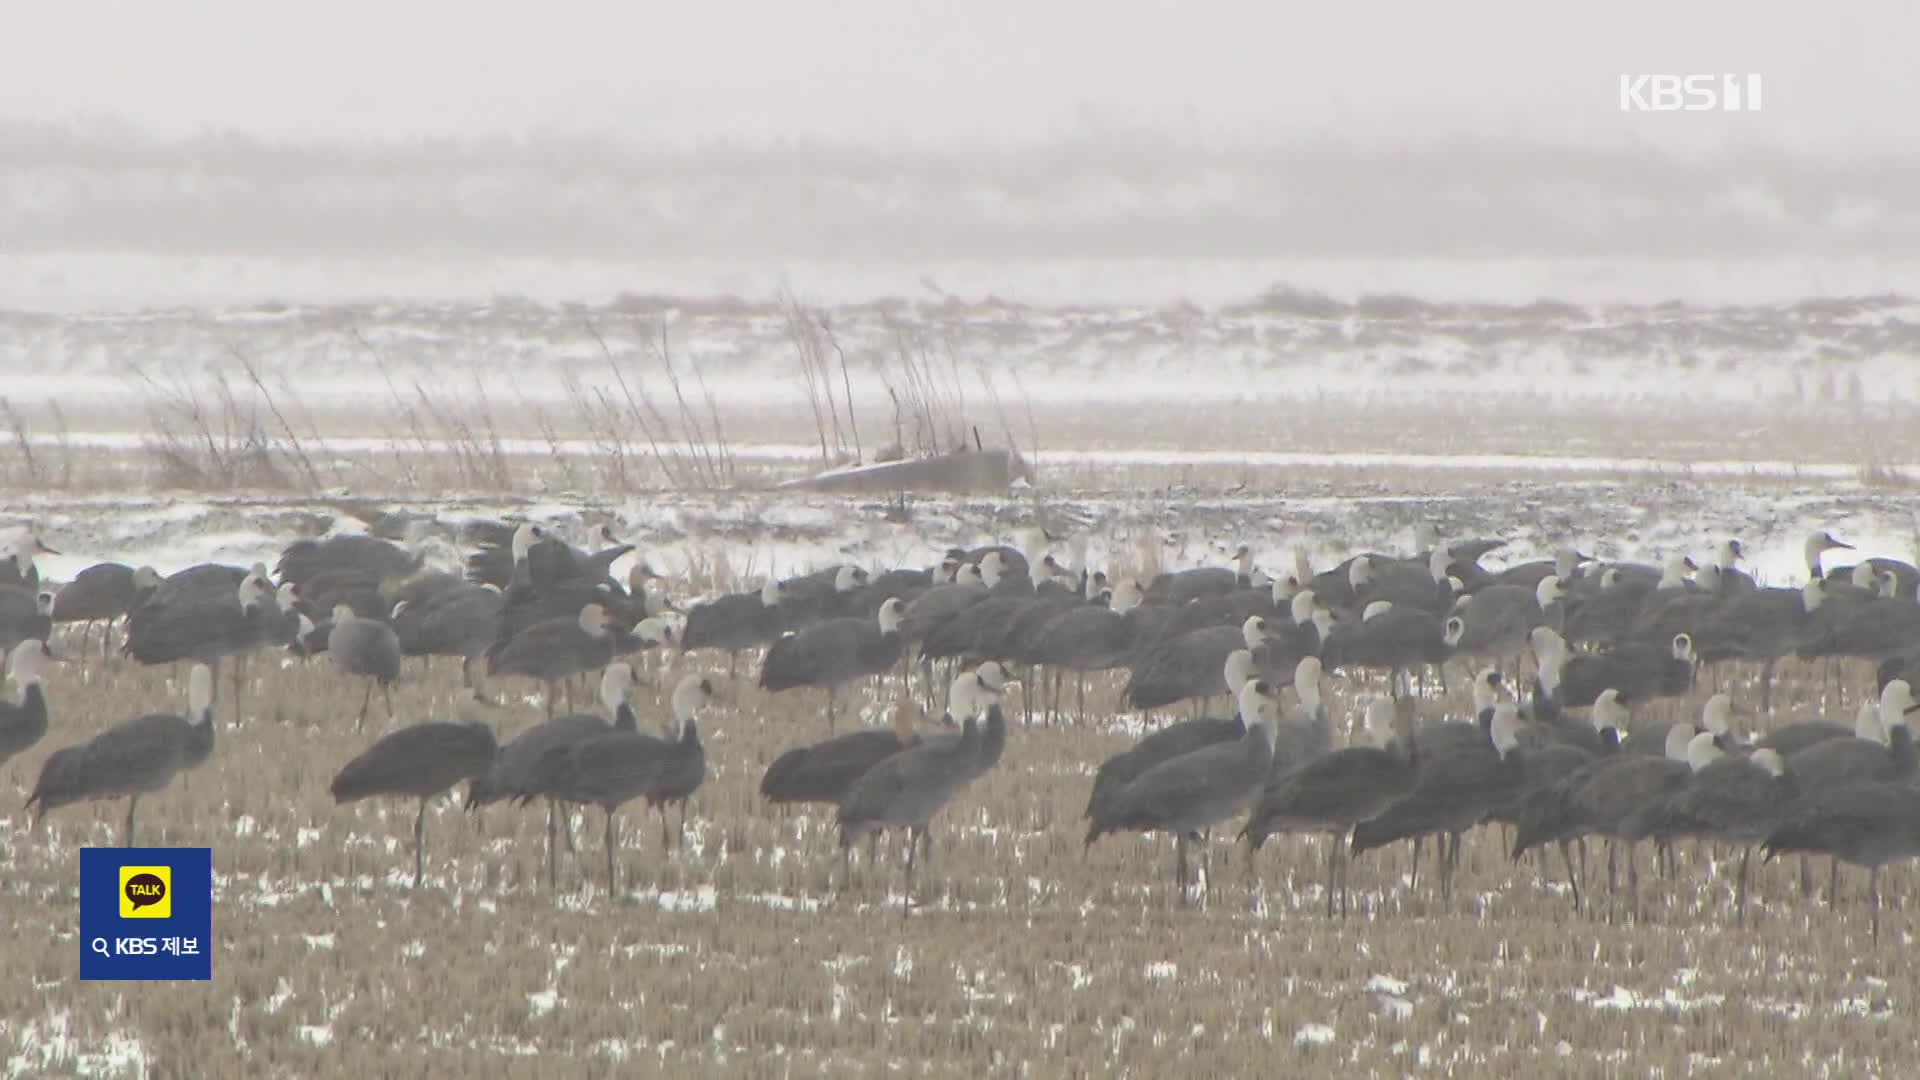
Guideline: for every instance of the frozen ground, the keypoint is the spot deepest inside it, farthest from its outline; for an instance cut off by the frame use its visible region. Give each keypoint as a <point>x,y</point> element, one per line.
<point>1325,513</point>
<point>745,951</point>
<point>1331,360</point>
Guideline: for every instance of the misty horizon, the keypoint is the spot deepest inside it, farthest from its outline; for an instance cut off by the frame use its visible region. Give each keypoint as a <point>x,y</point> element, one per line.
<point>1100,195</point>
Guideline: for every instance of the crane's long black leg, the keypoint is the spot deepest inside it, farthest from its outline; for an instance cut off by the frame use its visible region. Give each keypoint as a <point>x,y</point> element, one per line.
<point>419,843</point>
<point>1740,889</point>
<point>126,833</point>
<point>610,883</point>
<point>365,703</point>
<point>1180,866</point>
<point>913,846</point>
<point>553,844</point>
<point>1333,852</point>
<point>1873,898</point>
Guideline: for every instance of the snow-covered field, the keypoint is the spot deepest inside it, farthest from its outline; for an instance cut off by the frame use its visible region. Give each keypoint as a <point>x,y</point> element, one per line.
<point>745,951</point>
<point>1782,364</point>
<point>1282,406</point>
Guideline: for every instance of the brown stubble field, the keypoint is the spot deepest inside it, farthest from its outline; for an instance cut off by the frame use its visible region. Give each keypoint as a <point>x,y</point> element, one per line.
<point>744,953</point>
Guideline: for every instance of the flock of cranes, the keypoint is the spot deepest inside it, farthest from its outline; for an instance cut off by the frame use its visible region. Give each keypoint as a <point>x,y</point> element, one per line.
<point>1567,657</point>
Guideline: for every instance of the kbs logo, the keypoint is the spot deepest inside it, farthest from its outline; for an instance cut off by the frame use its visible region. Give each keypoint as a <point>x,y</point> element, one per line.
<point>1690,93</point>
<point>146,892</point>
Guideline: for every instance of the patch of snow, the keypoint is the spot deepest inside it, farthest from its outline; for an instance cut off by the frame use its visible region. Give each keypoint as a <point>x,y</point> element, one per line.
<point>1313,1035</point>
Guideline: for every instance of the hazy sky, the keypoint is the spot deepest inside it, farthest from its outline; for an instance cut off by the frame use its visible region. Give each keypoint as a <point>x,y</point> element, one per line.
<point>1836,74</point>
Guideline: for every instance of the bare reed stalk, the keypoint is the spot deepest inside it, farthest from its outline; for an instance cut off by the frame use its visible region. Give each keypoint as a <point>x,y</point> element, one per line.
<point>17,427</point>
<point>63,440</point>
<point>688,454</point>
<point>220,444</point>
<point>296,450</point>
<point>806,334</point>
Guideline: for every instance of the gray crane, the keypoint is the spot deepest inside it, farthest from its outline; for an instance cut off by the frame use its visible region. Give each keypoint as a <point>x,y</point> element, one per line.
<point>1791,738</point>
<point>1392,639</point>
<point>103,593</point>
<point>1608,608</point>
<point>304,561</point>
<point>1716,716</point>
<point>1640,671</point>
<point>735,622</point>
<point>1565,565</point>
<point>1194,791</point>
<point>906,790</point>
<point>1467,771</point>
<point>555,649</point>
<point>205,621</point>
<point>517,772</point>
<point>138,757</point>
<point>1090,637</point>
<point>1612,798</point>
<point>365,648</point>
<point>823,772</point>
<point>1338,791</point>
<point>1868,825</point>
<point>463,622</point>
<point>24,723</point>
<point>1499,618</point>
<point>418,762</point>
<point>613,769</point>
<point>25,615</point>
<point>1734,799</point>
<point>1761,624</point>
<point>1190,666</point>
<point>835,652</point>
<point>1180,586</point>
<point>1172,741</point>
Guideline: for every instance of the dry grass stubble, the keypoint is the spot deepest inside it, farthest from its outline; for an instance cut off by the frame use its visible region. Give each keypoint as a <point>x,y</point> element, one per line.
<point>741,955</point>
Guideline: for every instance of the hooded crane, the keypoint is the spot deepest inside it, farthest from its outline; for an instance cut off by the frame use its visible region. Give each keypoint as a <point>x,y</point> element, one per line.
<point>1174,740</point>
<point>304,561</point>
<point>1195,791</point>
<point>1180,586</point>
<point>367,648</point>
<point>24,723</point>
<point>735,622</point>
<point>25,615</point>
<point>906,790</point>
<point>1614,798</point>
<point>103,593</point>
<point>1090,637</point>
<point>134,758</point>
<point>463,621</point>
<point>613,769</point>
<point>1734,799</point>
<point>1789,739</point>
<point>205,621</point>
<point>1463,779</point>
<point>1340,790</point>
<point>556,649</point>
<point>1499,618</point>
<point>1640,671</point>
<point>1190,665</point>
<point>1868,825</point>
<point>418,762</point>
<point>515,775</point>
<point>1392,638</point>
<point>823,772</point>
<point>835,652</point>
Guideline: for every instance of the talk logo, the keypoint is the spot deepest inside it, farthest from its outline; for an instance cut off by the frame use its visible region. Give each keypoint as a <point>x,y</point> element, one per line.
<point>146,892</point>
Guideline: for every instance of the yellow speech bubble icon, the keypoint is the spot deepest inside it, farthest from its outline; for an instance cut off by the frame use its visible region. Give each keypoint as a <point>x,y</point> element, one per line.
<point>146,892</point>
